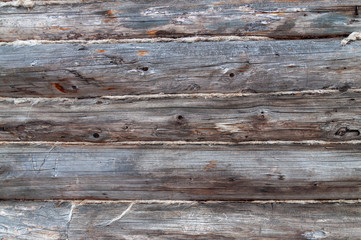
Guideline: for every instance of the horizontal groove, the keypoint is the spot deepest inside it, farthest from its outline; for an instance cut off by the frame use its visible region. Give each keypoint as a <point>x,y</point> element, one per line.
<point>32,3</point>
<point>226,95</point>
<point>36,100</point>
<point>139,40</point>
<point>83,202</point>
<point>171,143</point>
<point>189,39</point>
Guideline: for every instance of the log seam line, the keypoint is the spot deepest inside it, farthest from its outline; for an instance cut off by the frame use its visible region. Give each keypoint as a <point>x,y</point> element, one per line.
<point>36,100</point>
<point>155,201</point>
<point>171,143</point>
<point>139,40</point>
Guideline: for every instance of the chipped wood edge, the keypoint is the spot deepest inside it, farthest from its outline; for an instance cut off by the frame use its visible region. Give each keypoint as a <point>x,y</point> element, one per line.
<point>18,3</point>
<point>352,37</point>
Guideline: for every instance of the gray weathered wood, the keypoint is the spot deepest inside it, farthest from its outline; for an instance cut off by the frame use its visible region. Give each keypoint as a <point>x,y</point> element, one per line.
<point>76,70</point>
<point>99,147</point>
<point>129,19</point>
<point>34,220</point>
<point>327,116</point>
<point>58,171</point>
<point>179,220</point>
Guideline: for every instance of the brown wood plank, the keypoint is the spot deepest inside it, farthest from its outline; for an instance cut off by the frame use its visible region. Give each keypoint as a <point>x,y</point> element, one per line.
<point>139,19</point>
<point>190,172</point>
<point>80,70</point>
<point>179,220</point>
<point>257,117</point>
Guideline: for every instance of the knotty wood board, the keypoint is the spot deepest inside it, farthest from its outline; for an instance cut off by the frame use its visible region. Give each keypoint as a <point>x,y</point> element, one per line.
<point>81,70</point>
<point>139,19</point>
<point>258,117</point>
<point>190,172</point>
<point>179,220</point>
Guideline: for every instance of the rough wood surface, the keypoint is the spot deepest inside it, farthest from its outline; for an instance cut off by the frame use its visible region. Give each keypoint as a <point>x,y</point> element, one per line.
<point>258,117</point>
<point>80,70</point>
<point>58,171</point>
<point>129,19</point>
<point>33,220</point>
<point>179,220</point>
<point>176,101</point>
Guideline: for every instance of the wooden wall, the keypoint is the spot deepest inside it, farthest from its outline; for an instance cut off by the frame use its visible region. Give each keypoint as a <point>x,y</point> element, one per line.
<point>180,119</point>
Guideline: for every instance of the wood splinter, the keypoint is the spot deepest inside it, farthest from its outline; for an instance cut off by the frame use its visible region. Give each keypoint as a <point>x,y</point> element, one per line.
<point>352,37</point>
<point>18,3</point>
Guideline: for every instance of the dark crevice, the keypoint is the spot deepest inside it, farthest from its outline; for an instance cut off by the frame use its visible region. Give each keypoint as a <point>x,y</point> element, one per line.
<point>310,37</point>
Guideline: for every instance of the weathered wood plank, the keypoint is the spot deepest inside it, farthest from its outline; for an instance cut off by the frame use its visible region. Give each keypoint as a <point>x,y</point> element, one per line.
<point>257,117</point>
<point>180,220</point>
<point>33,220</point>
<point>75,70</point>
<point>188,172</point>
<point>219,221</point>
<point>129,19</point>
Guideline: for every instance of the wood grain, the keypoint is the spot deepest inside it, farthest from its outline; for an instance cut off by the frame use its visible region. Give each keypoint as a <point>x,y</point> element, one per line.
<point>75,70</point>
<point>33,220</point>
<point>140,19</point>
<point>258,117</point>
<point>58,171</point>
<point>203,127</point>
<point>180,220</point>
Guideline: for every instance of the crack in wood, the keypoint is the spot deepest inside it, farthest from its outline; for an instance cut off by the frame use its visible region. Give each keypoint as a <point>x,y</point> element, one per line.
<point>45,158</point>
<point>117,218</point>
<point>70,217</point>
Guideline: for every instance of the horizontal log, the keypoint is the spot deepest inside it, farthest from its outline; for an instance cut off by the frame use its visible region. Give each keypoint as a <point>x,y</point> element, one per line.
<point>78,70</point>
<point>257,117</point>
<point>60,171</point>
<point>33,220</point>
<point>129,19</point>
<point>179,220</point>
